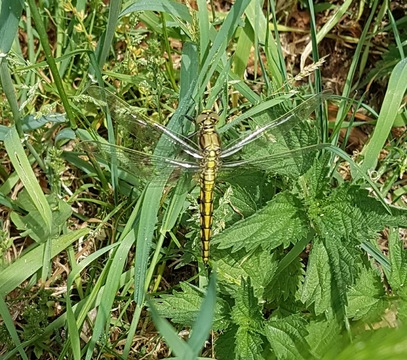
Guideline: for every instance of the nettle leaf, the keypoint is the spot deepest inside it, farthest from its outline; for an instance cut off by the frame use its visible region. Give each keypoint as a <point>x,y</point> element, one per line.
<point>351,214</point>
<point>259,265</point>
<point>316,179</point>
<point>366,299</point>
<point>254,188</point>
<point>287,337</point>
<point>281,222</point>
<point>324,334</point>
<point>182,307</point>
<point>246,314</point>
<point>243,201</point>
<point>336,217</point>
<point>225,344</point>
<point>317,284</point>
<point>343,267</point>
<point>298,137</point>
<point>376,216</point>
<point>284,286</point>
<point>398,262</point>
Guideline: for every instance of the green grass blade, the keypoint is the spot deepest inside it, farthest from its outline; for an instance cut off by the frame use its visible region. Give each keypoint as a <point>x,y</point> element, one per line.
<point>22,166</point>
<point>180,347</point>
<point>10,14</point>
<point>262,34</point>
<point>28,264</point>
<point>217,50</point>
<point>333,20</point>
<point>104,47</point>
<point>170,7</point>
<point>203,323</point>
<point>204,29</point>
<point>73,325</point>
<point>43,36</point>
<point>9,323</point>
<point>388,113</point>
<point>118,261</point>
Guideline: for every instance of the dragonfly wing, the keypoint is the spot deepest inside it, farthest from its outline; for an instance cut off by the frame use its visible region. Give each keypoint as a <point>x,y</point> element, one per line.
<point>265,131</point>
<point>145,132</point>
<point>289,155</point>
<point>292,163</point>
<point>146,167</point>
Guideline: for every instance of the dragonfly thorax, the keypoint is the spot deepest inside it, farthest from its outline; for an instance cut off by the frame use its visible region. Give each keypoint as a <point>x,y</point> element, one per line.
<point>209,140</point>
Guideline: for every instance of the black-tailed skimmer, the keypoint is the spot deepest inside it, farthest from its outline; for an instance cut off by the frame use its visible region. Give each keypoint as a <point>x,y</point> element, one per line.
<point>242,151</point>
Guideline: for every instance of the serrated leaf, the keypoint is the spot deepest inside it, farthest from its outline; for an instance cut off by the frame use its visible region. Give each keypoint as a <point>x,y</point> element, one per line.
<point>182,307</point>
<point>259,266</point>
<point>343,269</point>
<point>398,262</point>
<point>284,286</point>
<point>349,213</point>
<point>299,136</point>
<point>317,284</point>
<point>366,299</point>
<point>337,217</point>
<point>246,314</point>
<point>316,178</point>
<point>281,222</point>
<point>248,345</point>
<point>287,337</point>
<point>225,344</point>
<point>324,335</point>
<point>376,215</point>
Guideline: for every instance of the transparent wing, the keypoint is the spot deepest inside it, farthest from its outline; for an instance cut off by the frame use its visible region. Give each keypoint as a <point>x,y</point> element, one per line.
<point>286,146</point>
<point>265,131</point>
<point>144,141</point>
<point>147,167</point>
<point>147,135</point>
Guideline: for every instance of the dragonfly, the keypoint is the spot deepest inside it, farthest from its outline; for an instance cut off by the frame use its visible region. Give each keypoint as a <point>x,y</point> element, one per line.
<point>207,156</point>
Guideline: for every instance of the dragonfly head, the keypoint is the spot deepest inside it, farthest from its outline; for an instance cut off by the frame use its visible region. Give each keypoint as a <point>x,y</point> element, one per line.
<point>207,119</point>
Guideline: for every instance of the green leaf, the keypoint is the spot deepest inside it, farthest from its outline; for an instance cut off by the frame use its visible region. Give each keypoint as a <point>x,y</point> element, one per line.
<point>246,314</point>
<point>366,299</point>
<point>398,262</point>
<point>317,285</point>
<point>281,290</point>
<point>31,261</point>
<point>388,112</point>
<point>33,224</point>
<point>259,265</point>
<point>23,168</point>
<point>337,217</point>
<point>199,332</point>
<point>281,222</point>
<point>179,346</point>
<point>248,345</point>
<point>287,337</point>
<point>343,269</point>
<point>324,334</point>
<point>182,307</point>
<point>203,323</point>
<point>385,343</point>
<point>169,7</point>
<point>10,15</point>
<point>225,344</point>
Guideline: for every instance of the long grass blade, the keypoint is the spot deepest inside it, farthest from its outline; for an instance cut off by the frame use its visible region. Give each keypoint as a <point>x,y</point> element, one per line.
<point>388,113</point>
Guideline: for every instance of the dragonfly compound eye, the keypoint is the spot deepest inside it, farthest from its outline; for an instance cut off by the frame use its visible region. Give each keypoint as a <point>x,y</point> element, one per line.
<point>207,118</point>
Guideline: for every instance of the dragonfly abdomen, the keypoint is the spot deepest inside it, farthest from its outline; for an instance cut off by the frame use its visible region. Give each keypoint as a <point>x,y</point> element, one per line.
<point>209,143</point>
<point>207,180</point>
